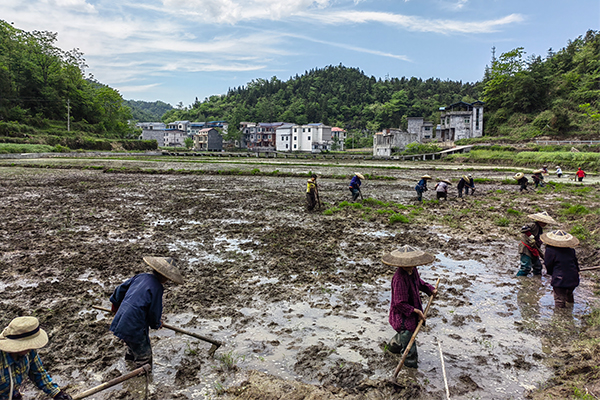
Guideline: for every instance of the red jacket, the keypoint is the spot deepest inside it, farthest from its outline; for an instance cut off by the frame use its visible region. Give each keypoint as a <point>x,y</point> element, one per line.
<point>580,173</point>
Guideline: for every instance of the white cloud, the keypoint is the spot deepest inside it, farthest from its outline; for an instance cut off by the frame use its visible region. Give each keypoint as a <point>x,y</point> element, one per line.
<point>413,23</point>
<point>232,11</point>
<point>75,5</point>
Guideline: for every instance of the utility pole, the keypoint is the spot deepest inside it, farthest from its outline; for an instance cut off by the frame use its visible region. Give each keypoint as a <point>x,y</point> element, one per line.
<point>68,115</point>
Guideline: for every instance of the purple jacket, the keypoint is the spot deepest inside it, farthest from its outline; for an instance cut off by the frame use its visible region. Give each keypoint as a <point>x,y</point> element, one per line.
<point>561,263</point>
<point>405,298</point>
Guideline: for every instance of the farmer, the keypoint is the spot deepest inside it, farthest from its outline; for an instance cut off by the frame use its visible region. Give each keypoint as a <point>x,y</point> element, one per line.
<point>441,189</point>
<point>561,263</point>
<point>355,185</point>
<point>465,183</point>
<point>422,187</point>
<point>580,174</point>
<point>538,178</point>
<point>19,358</point>
<point>521,180</point>
<point>406,309</point>
<point>530,246</point>
<point>544,169</point>
<point>137,303</point>
<point>558,171</point>
<point>311,192</point>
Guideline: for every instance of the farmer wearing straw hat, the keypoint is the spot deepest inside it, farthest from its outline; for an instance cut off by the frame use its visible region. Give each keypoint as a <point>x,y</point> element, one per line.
<point>465,183</point>
<point>422,187</point>
<point>441,189</point>
<point>530,246</point>
<point>138,306</point>
<point>355,185</point>
<point>19,358</point>
<point>538,178</point>
<point>521,180</point>
<point>558,171</point>
<point>561,263</point>
<point>406,309</point>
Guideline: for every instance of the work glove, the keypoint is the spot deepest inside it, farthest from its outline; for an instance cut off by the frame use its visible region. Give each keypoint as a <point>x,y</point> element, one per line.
<point>62,395</point>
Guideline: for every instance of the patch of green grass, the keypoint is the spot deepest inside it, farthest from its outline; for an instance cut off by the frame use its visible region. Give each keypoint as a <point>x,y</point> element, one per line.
<point>385,211</point>
<point>512,211</point>
<point>508,181</point>
<point>594,317</point>
<point>395,218</point>
<point>229,360</point>
<point>582,394</point>
<point>483,180</point>
<point>578,209</point>
<point>502,221</point>
<point>580,232</point>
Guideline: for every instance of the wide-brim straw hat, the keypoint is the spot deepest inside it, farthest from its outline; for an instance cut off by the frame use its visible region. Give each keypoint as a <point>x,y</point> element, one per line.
<point>360,176</point>
<point>542,217</point>
<point>559,239</point>
<point>447,181</point>
<point>519,175</point>
<point>426,177</point>
<point>23,333</point>
<point>538,171</point>
<point>166,267</point>
<point>407,256</point>
<point>466,178</point>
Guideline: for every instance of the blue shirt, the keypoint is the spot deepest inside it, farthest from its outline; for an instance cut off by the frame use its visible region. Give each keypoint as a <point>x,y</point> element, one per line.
<point>421,186</point>
<point>355,182</point>
<point>27,365</point>
<point>140,307</point>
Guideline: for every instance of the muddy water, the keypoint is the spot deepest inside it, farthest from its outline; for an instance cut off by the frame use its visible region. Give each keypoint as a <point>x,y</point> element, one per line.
<point>298,296</point>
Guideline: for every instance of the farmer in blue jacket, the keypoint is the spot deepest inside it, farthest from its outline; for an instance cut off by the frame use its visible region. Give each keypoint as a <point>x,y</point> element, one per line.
<point>138,306</point>
<point>355,185</point>
<point>422,187</point>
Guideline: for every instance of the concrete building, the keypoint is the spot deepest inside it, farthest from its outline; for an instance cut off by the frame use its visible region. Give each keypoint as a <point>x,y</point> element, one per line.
<point>152,131</point>
<point>392,140</point>
<point>283,135</point>
<point>183,126</point>
<point>461,121</point>
<point>338,137</point>
<point>259,136</point>
<point>423,129</point>
<point>174,138</point>
<point>208,139</point>
<point>313,138</point>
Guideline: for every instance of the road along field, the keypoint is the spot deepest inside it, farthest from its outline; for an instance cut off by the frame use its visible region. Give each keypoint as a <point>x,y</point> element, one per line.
<point>300,299</point>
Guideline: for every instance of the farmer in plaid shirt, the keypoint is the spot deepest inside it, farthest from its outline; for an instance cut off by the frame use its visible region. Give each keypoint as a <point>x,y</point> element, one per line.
<point>406,309</point>
<point>19,358</point>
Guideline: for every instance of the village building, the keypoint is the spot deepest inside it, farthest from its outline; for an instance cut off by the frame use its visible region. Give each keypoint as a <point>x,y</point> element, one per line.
<point>283,136</point>
<point>259,136</point>
<point>313,138</point>
<point>208,139</point>
<point>338,136</point>
<point>152,131</point>
<point>458,121</point>
<point>174,138</point>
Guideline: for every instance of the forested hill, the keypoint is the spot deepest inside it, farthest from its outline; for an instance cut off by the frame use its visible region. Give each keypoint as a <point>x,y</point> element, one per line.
<point>335,95</point>
<point>148,111</point>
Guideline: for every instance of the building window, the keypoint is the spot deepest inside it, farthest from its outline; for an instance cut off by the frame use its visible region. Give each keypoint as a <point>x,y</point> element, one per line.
<point>309,136</point>
<point>294,146</point>
<point>427,128</point>
<point>467,120</point>
<point>286,146</point>
<point>477,118</point>
<point>295,129</point>
<point>303,130</point>
<point>295,137</point>
<point>309,129</point>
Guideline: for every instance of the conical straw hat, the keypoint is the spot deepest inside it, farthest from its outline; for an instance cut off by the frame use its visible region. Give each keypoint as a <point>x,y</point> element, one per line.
<point>426,177</point>
<point>23,333</point>
<point>519,175</point>
<point>538,171</point>
<point>447,181</point>
<point>360,176</point>
<point>559,239</point>
<point>166,267</point>
<point>465,178</point>
<point>542,217</point>
<point>407,256</point>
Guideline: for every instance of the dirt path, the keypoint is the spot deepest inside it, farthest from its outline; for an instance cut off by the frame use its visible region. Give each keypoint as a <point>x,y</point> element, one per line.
<point>300,299</point>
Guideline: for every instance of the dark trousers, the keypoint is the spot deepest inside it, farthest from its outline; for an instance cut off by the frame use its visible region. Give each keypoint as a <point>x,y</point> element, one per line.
<point>563,296</point>
<point>398,344</point>
<point>311,201</point>
<point>580,179</point>
<point>527,264</point>
<point>442,195</point>
<point>139,352</point>
<point>355,193</point>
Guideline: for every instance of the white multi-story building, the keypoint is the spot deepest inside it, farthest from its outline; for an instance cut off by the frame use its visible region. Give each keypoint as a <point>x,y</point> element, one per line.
<point>461,121</point>
<point>283,141</point>
<point>313,138</point>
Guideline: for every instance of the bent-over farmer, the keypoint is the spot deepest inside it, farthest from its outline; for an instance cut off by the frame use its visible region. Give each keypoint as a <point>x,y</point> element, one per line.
<point>466,183</point>
<point>422,187</point>
<point>521,180</point>
<point>19,342</point>
<point>137,303</point>
<point>441,189</point>
<point>561,262</point>
<point>355,185</point>
<point>406,309</point>
<point>311,192</point>
<point>530,246</point>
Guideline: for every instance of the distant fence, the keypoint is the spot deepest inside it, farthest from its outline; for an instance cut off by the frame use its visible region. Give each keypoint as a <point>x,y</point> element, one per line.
<point>571,142</point>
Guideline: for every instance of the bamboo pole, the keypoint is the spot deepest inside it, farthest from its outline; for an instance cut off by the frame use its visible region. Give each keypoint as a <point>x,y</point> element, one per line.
<point>215,343</point>
<point>145,369</point>
<point>414,336</point>
<point>444,371</point>
<point>590,268</point>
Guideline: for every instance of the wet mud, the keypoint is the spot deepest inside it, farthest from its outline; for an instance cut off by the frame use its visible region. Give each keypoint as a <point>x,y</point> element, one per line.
<point>299,299</point>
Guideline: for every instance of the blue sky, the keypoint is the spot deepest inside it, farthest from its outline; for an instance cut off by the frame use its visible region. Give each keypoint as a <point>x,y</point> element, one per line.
<point>180,50</point>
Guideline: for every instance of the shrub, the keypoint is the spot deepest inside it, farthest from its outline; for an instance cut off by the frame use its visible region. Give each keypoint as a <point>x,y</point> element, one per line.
<point>398,218</point>
<point>579,232</point>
